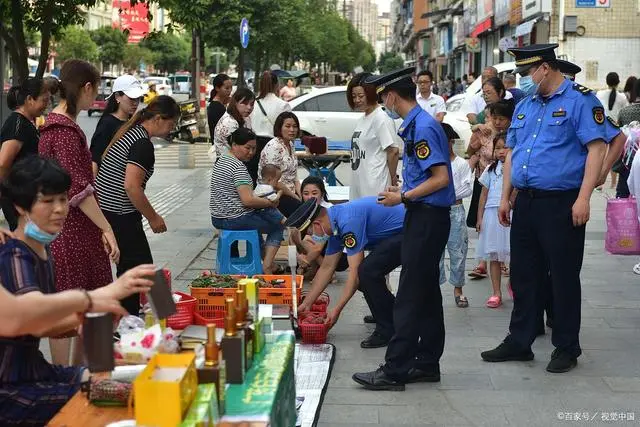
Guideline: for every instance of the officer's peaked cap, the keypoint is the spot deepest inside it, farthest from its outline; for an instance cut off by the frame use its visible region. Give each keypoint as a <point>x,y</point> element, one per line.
<point>302,217</point>
<point>530,55</point>
<point>394,79</point>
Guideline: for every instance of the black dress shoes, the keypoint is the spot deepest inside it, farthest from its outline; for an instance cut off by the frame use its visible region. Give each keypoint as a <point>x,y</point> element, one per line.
<point>377,380</point>
<point>375,340</point>
<point>417,375</point>
<point>506,352</point>
<point>561,362</point>
<point>369,319</point>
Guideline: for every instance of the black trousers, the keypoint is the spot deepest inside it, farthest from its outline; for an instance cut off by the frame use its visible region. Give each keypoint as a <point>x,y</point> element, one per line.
<point>134,250</point>
<point>10,213</point>
<point>472,214</point>
<point>545,244</point>
<point>622,189</point>
<point>382,260</point>
<point>418,313</point>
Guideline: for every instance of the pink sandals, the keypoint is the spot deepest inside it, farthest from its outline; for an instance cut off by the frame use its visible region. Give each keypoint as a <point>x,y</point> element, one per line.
<point>494,301</point>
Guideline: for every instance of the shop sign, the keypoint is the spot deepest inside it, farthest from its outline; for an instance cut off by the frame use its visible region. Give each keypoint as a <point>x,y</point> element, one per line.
<point>506,43</point>
<point>472,44</point>
<point>535,7</point>
<point>515,12</point>
<point>131,18</point>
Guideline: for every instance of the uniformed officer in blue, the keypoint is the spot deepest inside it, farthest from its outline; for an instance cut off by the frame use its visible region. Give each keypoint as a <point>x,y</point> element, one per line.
<point>355,226</point>
<point>415,349</point>
<point>557,145</point>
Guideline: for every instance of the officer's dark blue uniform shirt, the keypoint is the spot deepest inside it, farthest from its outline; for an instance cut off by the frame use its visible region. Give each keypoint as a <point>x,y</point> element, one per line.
<point>425,145</point>
<point>362,223</point>
<point>549,138</point>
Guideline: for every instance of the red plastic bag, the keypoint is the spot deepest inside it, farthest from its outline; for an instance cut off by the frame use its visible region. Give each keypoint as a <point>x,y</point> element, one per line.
<point>623,228</point>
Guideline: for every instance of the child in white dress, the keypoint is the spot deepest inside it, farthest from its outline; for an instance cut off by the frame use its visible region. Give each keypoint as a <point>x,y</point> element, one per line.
<point>493,243</point>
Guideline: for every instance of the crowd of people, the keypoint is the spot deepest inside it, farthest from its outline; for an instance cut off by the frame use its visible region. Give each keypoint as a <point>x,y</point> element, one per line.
<point>536,154</point>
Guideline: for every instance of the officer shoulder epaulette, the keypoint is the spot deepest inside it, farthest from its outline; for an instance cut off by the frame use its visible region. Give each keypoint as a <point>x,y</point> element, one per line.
<point>582,89</point>
<point>613,122</point>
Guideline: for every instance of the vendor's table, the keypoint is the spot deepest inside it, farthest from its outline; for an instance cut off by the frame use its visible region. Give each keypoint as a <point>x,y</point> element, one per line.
<point>337,152</point>
<point>79,412</point>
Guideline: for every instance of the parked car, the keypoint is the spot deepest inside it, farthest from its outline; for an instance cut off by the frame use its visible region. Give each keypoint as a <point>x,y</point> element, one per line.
<point>456,105</point>
<point>163,85</point>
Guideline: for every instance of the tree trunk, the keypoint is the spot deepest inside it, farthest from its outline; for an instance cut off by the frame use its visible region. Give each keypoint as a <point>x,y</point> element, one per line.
<point>257,72</point>
<point>16,43</point>
<point>194,89</point>
<point>44,43</point>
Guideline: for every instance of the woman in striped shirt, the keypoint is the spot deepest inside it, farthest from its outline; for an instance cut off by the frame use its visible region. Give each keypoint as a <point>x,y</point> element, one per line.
<point>126,167</point>
<point>233,205</point>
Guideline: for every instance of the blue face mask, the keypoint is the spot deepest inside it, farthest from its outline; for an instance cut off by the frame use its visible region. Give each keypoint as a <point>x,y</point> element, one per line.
<point>391,112</point>
<point>528,86</point>
<point>32,231</point>
<point>321,239</point>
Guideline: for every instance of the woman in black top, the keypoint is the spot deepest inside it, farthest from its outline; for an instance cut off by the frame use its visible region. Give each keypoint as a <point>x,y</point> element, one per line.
<point>121,105</point>
<point>220,94</point>
<point>19,136</point>
<point>127,165</point>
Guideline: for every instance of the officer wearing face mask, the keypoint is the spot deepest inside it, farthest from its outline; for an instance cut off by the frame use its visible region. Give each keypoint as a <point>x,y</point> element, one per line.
<point>414,352</point>
<point>557,145</point>
<point>355,226</point>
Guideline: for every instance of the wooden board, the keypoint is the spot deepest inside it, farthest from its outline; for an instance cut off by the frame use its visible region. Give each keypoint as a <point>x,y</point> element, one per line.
<point>79,412</point>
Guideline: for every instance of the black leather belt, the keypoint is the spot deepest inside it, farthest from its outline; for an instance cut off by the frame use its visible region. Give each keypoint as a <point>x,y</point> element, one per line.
<point>541,194</point>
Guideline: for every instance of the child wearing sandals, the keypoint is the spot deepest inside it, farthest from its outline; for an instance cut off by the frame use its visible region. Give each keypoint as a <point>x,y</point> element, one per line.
<point>458,242</point>
<point>493,243</point>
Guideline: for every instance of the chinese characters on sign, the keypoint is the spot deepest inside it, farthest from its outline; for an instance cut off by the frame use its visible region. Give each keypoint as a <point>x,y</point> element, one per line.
<point>134,19</point>
<point>593,3</point>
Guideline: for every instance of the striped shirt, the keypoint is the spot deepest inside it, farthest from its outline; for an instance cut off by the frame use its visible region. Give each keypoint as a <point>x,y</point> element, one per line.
<point>227,175</point>
<point>134,147</point>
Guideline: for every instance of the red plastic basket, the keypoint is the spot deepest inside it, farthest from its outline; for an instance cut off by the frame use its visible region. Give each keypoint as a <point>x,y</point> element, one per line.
<point>217,319</point>
<point>319,307</point>
<point>313,333</point>
<point>186,307</point>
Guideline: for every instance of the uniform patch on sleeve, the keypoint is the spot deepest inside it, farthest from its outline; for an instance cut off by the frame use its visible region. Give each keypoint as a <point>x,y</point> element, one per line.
<point>422,150</point>
<point>349,240</point>
<point>598,115</point>
<point>582,89</point>
<point>613,122</point>
<point>520,116</point>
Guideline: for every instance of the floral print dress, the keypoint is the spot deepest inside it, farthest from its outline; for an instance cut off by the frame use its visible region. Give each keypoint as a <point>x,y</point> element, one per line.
<point>276,153</point>
<point>80,259</point>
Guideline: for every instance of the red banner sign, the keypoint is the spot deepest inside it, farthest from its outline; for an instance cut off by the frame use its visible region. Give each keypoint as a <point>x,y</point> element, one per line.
<point>131,18</point>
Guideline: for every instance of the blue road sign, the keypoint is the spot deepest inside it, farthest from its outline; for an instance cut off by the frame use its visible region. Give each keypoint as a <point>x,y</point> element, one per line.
<point>244,33</point>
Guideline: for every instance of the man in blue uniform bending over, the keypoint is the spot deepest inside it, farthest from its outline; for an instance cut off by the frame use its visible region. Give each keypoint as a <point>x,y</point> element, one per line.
<point>355,226</point>
<point>557,145</point>
<point>414,352</point>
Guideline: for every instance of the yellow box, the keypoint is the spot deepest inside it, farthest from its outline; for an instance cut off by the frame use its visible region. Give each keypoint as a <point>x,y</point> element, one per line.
<point>163,402</point>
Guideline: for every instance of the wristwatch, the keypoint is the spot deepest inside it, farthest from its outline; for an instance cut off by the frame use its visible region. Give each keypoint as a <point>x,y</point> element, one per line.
<point>403,198</point>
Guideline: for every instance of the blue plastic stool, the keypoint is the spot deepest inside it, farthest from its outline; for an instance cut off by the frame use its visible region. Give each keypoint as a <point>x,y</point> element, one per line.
<point>249,264</point>
<point>328,174</point>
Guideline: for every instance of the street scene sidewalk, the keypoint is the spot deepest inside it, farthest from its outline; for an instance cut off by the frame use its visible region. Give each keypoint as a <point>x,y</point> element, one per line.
<point>605,388</point>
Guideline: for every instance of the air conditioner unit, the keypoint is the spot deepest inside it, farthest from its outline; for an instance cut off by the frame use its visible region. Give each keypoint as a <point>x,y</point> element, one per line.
<point>570,24</point>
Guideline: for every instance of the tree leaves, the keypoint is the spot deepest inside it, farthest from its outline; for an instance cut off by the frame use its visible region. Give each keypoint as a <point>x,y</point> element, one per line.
<point>75,43</point>
<point>112,42</point>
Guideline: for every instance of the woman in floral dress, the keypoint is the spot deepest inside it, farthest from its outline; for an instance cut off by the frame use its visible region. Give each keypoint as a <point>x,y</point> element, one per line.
<point>86,243</point>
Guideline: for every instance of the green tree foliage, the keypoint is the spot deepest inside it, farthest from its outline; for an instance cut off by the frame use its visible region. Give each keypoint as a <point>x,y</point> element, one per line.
<point>48,17</point>
<point>170,51</point>
<point>133,55</point>
<point>112,42</point>
<point>390,61</point>
<point>75,43</point>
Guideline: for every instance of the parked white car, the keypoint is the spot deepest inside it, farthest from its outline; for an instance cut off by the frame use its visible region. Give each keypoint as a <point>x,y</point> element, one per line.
<point>163,85</point>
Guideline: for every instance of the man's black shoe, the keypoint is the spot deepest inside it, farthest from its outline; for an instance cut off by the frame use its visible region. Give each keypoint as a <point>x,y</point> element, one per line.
<point>369,319</point>
<point>377,380</point>
<point>561,362</point>
<point>506,352</point>
<point>375,340</point>
<point>416,375</point>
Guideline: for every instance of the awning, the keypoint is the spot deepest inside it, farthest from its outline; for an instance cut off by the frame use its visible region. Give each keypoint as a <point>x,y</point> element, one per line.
<point>525,28</point>
<point>434,13</point>
<point>481,27</point>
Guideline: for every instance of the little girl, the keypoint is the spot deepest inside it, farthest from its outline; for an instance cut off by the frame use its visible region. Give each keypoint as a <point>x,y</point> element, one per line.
<point>493,244</point>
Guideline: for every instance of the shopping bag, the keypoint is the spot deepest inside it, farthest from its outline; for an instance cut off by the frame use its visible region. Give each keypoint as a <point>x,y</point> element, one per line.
<point>623,228</point>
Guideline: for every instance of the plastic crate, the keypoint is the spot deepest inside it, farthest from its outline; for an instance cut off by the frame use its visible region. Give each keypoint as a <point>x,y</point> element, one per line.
<point>217,319</point>
<point>279,295</point>
<point>211,300</point>
<point>184,314</point>
<point>313,333</point>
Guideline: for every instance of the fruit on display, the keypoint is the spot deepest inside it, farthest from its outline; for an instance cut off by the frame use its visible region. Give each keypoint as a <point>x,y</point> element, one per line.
<point>211,280</point>
<point>273,283</point>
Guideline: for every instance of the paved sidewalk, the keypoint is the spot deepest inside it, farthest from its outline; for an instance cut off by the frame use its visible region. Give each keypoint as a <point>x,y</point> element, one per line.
<point>473,392</point>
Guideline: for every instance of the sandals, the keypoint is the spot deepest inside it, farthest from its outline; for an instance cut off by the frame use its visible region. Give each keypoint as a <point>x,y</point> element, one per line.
<point>461,301</point>
<point>494,301</point>
<point>478,273</point>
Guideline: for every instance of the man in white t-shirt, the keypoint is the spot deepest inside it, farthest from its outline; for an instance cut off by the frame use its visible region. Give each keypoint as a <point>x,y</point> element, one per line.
<point>429,101</point>
<point>474,105</point>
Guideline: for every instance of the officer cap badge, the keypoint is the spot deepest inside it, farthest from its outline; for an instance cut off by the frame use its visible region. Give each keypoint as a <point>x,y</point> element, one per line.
<point>303,216</point>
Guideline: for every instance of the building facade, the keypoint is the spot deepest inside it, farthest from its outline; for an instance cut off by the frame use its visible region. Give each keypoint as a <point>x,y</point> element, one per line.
<point>363,15</point>
<point>455,37</point>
